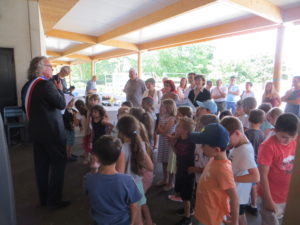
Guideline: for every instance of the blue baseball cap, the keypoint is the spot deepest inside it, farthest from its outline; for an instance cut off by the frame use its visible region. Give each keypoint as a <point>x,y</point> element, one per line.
<point>209,104</point>
<point>214,135</point>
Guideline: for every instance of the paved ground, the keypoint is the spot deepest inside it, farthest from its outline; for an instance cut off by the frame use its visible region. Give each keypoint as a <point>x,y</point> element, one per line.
<point>77,213</point>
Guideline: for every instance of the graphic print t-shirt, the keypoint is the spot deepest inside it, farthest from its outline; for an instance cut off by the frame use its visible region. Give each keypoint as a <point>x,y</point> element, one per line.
<point>280,158</point>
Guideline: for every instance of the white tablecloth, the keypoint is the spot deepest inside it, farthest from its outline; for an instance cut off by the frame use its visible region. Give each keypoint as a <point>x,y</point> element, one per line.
<point>112,112</point>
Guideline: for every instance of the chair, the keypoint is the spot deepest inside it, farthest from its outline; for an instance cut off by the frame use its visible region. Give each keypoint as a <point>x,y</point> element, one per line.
<point>13,117</point>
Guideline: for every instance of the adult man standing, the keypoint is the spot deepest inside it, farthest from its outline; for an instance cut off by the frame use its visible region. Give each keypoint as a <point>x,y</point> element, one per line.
<point>44,100</point>
<point>134,89</point>
<point>233,95</point>
<point>218,94</point>
<point>292,98</point>
<point>191,81</point>
<point>64,72</point>
<point>91,86</point>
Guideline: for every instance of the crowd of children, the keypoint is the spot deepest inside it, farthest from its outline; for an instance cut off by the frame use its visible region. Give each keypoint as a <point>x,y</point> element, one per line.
<point>219,166</point>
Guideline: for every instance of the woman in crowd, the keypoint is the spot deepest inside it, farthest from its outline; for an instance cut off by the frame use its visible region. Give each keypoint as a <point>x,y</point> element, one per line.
<point>199,93</point>
<point>271,95</point>
<point>156,95</point>
<point>182,88</point>
<point>170,90</point>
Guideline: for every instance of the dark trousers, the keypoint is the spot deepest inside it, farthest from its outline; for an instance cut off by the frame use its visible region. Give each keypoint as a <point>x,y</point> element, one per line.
<point>50,162</point>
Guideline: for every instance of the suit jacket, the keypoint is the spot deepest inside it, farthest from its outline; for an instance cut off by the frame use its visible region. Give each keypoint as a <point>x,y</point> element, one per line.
<point>63,82</point>
<point>45,121</point>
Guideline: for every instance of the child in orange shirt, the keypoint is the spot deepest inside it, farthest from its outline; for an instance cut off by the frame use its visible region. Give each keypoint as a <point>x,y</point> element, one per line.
<point>216,185</point>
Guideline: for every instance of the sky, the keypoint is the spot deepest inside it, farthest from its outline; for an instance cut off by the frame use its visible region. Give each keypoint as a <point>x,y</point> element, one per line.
<point>262,42</point>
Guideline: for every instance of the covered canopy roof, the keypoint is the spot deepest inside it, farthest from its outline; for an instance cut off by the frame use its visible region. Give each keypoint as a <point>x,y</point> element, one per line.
<point>85,30</point>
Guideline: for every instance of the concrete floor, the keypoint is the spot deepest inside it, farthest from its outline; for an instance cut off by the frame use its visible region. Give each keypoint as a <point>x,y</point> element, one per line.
<point>28,213</point>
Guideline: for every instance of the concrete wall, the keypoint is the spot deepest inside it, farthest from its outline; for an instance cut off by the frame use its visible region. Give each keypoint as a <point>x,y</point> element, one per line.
<point>21,29</point>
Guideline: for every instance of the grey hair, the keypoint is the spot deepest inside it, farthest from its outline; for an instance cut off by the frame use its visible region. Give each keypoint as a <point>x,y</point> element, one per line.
<point>65,69</point>
<point>36,67</point>
<point>132,70</point>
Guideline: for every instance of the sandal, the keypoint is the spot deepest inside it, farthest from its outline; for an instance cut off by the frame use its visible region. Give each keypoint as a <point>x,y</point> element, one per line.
<point>175,198</point>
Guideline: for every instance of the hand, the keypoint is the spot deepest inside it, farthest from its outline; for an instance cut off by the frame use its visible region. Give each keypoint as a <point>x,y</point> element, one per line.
<point>270,206</point>
<point>228,221</point>
<point>58,85</point>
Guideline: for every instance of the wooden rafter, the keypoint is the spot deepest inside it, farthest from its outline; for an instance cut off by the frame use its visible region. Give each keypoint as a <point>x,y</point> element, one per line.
<point>292,14</point>
<point>263,8</point>
<point>113,54</point>
<point>72,36</point>
<point>53,53</point>
<point>53,10</point>
<point>232,28</point>
<point>175,9</point>
<point>89,39</point>
<point>82,57</point>
<point>170,11</point>
<point>58,62</point>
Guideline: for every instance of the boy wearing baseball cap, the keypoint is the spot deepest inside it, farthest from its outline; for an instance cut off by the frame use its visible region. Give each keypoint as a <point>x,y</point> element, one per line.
<point>216,185</point>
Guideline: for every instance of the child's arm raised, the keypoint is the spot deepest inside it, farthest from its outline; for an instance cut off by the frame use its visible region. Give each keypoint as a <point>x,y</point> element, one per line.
<point>234,207</point>
<point>251,177</point>
<point>266,194</point>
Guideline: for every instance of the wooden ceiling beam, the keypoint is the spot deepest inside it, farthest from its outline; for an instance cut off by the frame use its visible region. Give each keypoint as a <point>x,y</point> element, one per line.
<point>262,8</point>
<point>121,44</point>
<point>291,14</point>
<point>53,10</point>
<point>59,62</point>
<point>72,36</point>
<point>82,57</point>
<point>89,39</point>
<point>219,31</point>
<point>76,48</point>
<point>113,54</point>
<point>175,9</point>
<point>53,53</point>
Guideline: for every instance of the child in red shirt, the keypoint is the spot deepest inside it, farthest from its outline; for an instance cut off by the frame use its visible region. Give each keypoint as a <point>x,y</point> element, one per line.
<point>276,158</point>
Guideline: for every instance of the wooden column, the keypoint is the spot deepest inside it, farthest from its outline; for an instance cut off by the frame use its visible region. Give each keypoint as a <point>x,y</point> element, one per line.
<point>292,215</point>
<point>140,64</point>
<point>278,58</point>
<point>93,68</point>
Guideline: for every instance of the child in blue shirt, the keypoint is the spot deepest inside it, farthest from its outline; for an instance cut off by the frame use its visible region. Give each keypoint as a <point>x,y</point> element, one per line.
<point>114,196</point>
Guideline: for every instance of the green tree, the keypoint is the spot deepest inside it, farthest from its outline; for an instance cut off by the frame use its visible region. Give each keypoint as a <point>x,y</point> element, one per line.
<point>183,59</point>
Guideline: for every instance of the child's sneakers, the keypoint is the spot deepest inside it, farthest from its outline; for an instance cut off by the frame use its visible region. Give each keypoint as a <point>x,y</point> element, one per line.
<point>175,198</point>
<point>185,221</point>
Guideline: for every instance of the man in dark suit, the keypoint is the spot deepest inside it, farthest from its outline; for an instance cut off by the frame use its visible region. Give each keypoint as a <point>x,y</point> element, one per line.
<point>44,100</point>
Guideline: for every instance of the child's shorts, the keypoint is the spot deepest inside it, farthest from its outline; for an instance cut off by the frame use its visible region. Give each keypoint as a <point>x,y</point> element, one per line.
<point>70,137</point>
<point>184,185</point>
<point>139,185</point>
<point>243,209</point>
